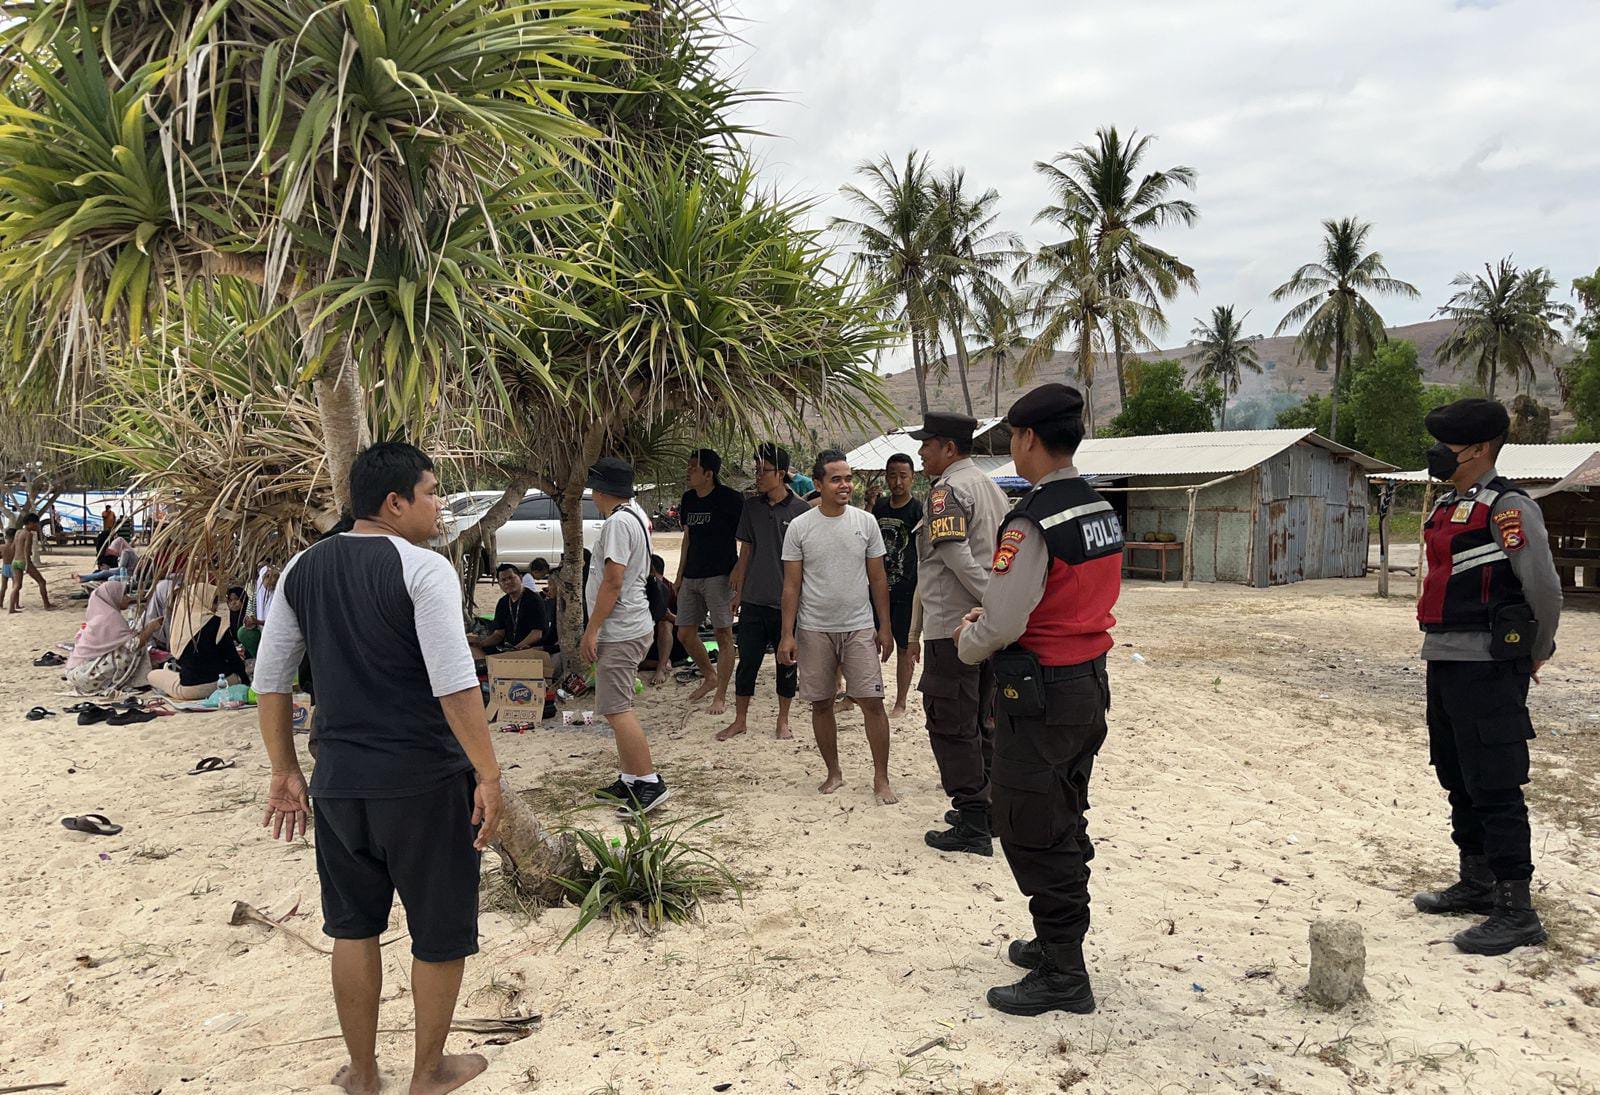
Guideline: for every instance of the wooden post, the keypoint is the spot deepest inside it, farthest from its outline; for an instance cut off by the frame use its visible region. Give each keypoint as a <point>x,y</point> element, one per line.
<point>1422,542</point>
<point>1385,497</point>
<point>1188,541</point>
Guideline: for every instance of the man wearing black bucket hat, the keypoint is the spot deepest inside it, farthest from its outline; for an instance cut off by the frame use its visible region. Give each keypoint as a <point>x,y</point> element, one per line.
<point>620,630</point>
<point>1490,604</point>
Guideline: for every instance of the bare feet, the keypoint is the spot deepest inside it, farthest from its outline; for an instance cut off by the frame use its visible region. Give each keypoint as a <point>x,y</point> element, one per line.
<point>784,733</point>
<point>659,679</point>
<point>884,793</point>
<point>719,705</point>
<point>705,689</point>
<point>732,730</point>
<point>454,1070</point>
<point>357,1084</point>
<point>899,712</point>
<point>831,784</point>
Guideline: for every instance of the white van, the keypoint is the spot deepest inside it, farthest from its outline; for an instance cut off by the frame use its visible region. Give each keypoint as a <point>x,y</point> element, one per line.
<point>533,531</point>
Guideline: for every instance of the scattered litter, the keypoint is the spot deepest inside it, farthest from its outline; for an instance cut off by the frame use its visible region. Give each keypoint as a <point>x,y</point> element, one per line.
<point>221,1024</point>
<point>1197,986</point>
<point>1139,659</point>
<point>1260,1075</point>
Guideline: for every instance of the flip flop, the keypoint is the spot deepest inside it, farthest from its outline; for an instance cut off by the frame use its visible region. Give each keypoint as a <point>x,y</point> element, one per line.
<point>92,713</point>
<point>94,824</point>
<point>49,658</point>
<point>37,713</point>
<point>126,718</point>
<point>78,707</point>
<point>210,764</point>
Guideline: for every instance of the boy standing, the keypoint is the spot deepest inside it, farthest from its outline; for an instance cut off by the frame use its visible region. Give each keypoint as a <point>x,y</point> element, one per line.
<point>25,561</point>
<point>710,513</point>
<point>832,557</point>
<point>899,515</point>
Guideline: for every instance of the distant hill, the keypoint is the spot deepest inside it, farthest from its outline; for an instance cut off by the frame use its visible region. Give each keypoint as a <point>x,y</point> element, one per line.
<point>1285,380</point>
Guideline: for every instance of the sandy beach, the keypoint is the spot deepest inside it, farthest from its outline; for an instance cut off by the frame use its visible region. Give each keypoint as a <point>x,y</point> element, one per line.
<point>1266,766</point>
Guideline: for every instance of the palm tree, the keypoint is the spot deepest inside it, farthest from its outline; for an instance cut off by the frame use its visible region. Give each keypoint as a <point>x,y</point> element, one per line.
<point>896,236</point>
<point>997,337</point>
<point>1225,352</point>
<point>967,253</point>
<point>1075,302</point>
<point>1099,186</point>
<point>1505,322</point>
<point>1334,309</point>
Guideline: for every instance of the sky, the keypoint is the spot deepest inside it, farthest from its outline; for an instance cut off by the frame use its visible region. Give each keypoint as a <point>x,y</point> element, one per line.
<point>1464,130</point>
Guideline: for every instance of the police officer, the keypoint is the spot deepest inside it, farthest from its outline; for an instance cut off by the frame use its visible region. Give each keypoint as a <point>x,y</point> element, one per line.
<point>1046,620</point>
<point>1490,605</point>
<point>955,548</point>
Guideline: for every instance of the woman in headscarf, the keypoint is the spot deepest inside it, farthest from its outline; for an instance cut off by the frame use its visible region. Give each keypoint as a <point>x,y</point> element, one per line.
<point>121,555</point>
<point>255,615</point>
<point>109,656</point>
<point>205,652</point>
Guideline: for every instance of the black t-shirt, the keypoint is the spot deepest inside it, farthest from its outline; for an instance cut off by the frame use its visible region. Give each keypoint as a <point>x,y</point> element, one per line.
<point>552,638</point>
<point>898,525</point>
<point>516,622</point>
<point>713,521</point>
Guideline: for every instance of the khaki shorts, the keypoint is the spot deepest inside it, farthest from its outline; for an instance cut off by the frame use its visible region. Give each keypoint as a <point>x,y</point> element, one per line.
<point>615,669</point>
<point>822,653</point>
<point>701,597</point>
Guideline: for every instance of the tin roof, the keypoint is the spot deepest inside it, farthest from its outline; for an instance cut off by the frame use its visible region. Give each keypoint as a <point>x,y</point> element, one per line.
<point>1198,454</point>
<point>1523,463</point>
<point>874,455</point>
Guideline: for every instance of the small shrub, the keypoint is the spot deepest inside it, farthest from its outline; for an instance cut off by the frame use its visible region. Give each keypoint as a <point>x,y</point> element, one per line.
<point>652,876</point>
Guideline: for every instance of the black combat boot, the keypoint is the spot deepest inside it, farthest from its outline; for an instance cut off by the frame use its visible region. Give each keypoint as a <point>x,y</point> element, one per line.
<point>952,817</point>
<point>1474,893</point>
<point>1025,953</point>
<point>1512,924</point>
<point>1060,983</point>
<point>970,833</point>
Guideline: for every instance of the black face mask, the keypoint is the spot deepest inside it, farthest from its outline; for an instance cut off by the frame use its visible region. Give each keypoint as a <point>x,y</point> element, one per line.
<point>1442,461</point>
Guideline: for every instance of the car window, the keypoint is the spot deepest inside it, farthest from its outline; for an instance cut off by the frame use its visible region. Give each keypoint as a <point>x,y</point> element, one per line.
<point>591,512</point>
<point>536,509</point>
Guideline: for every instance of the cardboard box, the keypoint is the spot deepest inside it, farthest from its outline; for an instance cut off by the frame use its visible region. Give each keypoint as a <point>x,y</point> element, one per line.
<point>517,685</point>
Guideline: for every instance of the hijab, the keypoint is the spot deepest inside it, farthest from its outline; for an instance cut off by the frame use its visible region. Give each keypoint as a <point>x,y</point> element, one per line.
<point>104,626</point>
<point>117,547</point>
<point>263,600</point>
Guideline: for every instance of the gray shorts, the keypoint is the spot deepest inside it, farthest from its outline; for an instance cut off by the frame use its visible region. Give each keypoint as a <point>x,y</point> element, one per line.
<point>615,669</point>
<point>701,597</point>
<point>821,654</point>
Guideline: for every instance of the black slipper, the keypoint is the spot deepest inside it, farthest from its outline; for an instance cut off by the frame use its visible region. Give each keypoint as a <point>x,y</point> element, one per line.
<point>210,764</point>
<point>95,824</point>
<point>126,718</point>
<point>38,713</point>
<point>49,658</point>
<point>92,713</point>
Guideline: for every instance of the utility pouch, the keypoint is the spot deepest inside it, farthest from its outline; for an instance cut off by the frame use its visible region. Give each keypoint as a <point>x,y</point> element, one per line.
<point>1019,683</point>
<point>1512,632</point>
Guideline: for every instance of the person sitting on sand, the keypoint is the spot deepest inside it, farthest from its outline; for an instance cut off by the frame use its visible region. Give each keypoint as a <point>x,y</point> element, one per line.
<point>25,561</point>
<point>159,606</point>
<point>122,557</point>
<point>205,654</point>
<point>256,609</point>
<point>518,618</point>
<point>109,656</point>
<point>665,650</point>
<point>832,559</point>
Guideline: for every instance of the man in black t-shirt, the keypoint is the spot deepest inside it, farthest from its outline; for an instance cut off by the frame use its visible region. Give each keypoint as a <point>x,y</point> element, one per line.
<point>898,516</point>
<point>519,621</point>
<point>710,514</point>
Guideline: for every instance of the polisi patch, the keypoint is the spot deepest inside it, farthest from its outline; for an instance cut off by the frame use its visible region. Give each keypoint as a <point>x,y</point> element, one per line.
<point>1101,533</point>
<point>1509,522</point>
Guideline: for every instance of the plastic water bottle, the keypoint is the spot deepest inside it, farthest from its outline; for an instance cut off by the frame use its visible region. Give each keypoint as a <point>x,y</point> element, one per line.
<point>220,695</point>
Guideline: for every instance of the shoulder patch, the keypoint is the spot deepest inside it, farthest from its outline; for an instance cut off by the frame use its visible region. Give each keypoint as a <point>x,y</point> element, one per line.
<point>938,500</point>
<point>1002,558</point>
<point>1509,522</point>
<point>1013,535</point>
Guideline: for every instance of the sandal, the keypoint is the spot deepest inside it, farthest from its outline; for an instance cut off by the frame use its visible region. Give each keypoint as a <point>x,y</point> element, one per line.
<point>91,713</point>
<point>49,658</point>
<point>37,713</point>
<point>94,824</point>
<point>210,764</point>
<point>127,718</point>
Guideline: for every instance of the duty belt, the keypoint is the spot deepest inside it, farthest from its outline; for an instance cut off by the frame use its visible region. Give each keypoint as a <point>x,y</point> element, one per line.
<point>1071,672</point>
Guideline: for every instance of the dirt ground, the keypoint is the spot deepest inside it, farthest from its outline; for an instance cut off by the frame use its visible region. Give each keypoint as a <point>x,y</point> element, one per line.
<point>1266,767</point>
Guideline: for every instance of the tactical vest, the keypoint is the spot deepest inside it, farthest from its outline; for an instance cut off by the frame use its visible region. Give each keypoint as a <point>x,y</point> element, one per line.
<point>1072,621</point>
<point>1469,575</point>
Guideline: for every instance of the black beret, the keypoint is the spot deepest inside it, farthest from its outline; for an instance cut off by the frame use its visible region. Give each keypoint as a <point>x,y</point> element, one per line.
<point>1468,421</point>
<point>1046,403</point>
<point>955,427</point>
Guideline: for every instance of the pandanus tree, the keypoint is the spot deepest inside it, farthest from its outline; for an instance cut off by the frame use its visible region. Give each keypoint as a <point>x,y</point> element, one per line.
<point>1505,323</point>
<point>1226,353</point>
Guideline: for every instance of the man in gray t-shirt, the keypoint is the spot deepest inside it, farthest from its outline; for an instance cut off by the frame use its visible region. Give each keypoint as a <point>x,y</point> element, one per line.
<point>620,630</point>
<point>832,561</point>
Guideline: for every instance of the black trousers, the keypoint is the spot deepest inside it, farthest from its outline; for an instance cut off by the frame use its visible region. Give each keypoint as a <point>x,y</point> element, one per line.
<point>1478,732</point>
<point>1041,793</point>
<point>956,698</point>
<point>760,626</point>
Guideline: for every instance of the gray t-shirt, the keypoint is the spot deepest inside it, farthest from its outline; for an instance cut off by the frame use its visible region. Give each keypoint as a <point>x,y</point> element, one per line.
<point>834,595</point>
<point>763,525</point>
<point>623,540</point>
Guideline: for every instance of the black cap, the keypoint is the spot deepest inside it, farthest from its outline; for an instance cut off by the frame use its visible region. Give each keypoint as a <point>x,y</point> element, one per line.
<point>776,455</point>
<point>953,427</point>
<point>1046,403</point>
<point>1468,421</point>
<point>611,476</point>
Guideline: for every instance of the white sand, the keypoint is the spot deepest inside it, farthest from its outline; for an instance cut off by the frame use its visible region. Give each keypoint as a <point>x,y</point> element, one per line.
<point>1266,765</point>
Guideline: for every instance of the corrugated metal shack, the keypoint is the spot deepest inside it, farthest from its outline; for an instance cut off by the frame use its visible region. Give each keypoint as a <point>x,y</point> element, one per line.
<point>1261,507</point>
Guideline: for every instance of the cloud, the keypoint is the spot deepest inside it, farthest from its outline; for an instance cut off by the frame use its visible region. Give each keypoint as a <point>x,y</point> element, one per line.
<point>1461,137</point>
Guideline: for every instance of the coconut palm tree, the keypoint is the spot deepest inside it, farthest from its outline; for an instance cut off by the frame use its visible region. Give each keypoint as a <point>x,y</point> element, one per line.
<point>1074,302</point>
<point>896,234</point>
<point>1225,353</point>
<point>1099,185</point>
<point>968,252</point>
<point>1505,322</point>
<point>1338,319</point>
<point>997,337</point>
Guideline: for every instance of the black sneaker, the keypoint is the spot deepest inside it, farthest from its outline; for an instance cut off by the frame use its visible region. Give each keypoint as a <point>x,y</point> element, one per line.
<point>644,795</point>
<point>616,791</point>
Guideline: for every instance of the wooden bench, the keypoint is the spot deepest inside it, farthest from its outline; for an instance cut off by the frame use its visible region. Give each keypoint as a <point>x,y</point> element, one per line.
<point>1162,552</point>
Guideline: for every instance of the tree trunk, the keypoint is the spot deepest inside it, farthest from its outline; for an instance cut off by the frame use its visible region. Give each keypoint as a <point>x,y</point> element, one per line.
<point>569,578</point>
<point>1122,383</point>
<point>961,364</point>
<point>1338,372</point>
<point>344,420</point>
<point>534,856</point>
<point>994,384</point>
<point>1086,371</point>
<point>481,535</point>
<point>918,366</point>
<point>1222,415</point>
<point>1494,371</point>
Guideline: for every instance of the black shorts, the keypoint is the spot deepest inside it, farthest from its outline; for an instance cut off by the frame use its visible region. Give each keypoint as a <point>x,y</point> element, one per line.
<point>419,846</point>
<point>900,622</point>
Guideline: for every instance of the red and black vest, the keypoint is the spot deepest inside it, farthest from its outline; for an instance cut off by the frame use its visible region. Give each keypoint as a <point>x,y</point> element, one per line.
<point>1072,621</point>
<point>1469,575</point>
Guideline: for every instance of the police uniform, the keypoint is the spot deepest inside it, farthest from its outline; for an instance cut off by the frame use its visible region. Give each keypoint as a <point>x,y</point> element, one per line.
<point>1491,601</point>
<point>1046,621</point>
<point>954,552</point>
